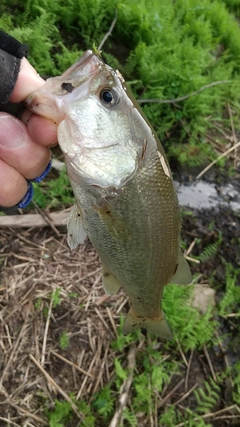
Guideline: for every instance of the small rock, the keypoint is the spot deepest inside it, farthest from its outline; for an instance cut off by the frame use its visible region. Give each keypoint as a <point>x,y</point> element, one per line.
<point>203,297</point>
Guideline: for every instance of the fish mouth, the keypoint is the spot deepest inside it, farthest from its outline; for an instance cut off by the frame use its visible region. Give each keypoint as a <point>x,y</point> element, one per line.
<point>86,67</point>
<point>50,99</point>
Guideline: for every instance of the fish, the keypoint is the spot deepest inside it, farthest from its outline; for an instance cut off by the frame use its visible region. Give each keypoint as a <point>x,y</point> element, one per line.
<point>126,202</point>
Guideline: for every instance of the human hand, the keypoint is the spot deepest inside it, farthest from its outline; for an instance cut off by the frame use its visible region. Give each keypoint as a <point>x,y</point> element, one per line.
<point>24,144</point>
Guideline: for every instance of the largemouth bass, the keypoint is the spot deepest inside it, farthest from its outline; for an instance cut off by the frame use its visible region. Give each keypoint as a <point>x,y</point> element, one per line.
<point>125,197</point>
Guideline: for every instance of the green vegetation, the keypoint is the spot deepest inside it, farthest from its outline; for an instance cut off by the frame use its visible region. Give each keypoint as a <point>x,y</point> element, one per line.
<point>165,50</point>
<point>155,369</point>
<point>54,193</point>
<point>198,330</point>
<point>56,297</point>
<point>61,414</point>
<point>231,300</point>
<point>64,340</point>
<point>210,250</point>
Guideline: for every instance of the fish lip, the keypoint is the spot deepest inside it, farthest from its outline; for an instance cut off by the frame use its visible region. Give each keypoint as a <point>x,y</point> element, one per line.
<point>84,58</point>
<point>86,67</point>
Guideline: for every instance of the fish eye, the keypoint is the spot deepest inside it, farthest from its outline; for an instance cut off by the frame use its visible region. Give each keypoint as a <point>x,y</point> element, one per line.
<point>108,96</point>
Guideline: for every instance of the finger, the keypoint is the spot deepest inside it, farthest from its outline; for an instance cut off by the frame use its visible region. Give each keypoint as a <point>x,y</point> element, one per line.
<point>28,81</point>
<point>13,185</point>
<point>42,130</point>
<point>18,150</point>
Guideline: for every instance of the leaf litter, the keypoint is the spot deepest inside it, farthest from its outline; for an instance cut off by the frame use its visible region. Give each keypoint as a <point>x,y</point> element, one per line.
<point>35,266</point>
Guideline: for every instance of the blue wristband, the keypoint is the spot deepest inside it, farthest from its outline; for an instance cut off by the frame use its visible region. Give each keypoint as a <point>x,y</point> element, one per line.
<point>27,198</point>
<point>45,172</point>
<point>29,194</point>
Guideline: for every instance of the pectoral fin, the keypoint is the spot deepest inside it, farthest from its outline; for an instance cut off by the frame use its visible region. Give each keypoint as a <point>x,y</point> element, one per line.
<point>182,275</point>
<point>113,221</point>
<point>157,326</point>
<point>110,283</point>
<point>75,227</point>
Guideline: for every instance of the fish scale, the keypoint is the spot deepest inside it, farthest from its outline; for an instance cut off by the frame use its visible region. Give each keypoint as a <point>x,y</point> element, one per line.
<point>125,197</point>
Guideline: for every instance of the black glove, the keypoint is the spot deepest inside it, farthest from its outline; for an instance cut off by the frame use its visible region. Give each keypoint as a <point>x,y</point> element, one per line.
<point>11,53</point>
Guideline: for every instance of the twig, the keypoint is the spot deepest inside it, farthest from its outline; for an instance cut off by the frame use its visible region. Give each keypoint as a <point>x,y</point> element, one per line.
<point>188,371</point>
<point>112,321</point>
<point>104,361</point>
<point>109,31</point>
<point>233,134</point>
<point>122,402</point>
<point>182,353</point>
<point>71,364</point>
<point>57,387</point>
<point>14,350</point>
<point>182,98</point>
<point>190,248</point>
<point>122,305</point>
<point>34,220</point>
<point>88,275</point>
<point>211,415</point>
<point>224,355</point>
<point>186,394</point>
<point>7,421</point>
<point>103,321</point>
<point>165,399</point>
<point>156,409</point>
<point>46,217</point>
<point>209,362</point>
<point>102,299</point>
<point>218,158</point>
<point>86,378</point>
<point>46,332</point>
<point>27,413</point>
<point>228,417</point>
<point>232,315</point>
<point>150,408</point>
<point>189,258</point>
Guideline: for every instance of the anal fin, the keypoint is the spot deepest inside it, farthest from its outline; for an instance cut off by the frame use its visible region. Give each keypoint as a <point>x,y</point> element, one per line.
<point>109,281</point>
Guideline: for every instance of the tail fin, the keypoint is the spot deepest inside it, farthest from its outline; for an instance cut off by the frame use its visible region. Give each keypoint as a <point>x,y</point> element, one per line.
<point>156,326</point>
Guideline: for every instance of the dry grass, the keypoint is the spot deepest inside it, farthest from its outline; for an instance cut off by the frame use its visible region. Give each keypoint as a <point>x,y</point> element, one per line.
<point>36,265</point>
<point>33,364</point>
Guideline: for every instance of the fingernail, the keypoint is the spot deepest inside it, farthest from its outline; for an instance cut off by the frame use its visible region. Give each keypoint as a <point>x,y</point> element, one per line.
<point>11,131</point>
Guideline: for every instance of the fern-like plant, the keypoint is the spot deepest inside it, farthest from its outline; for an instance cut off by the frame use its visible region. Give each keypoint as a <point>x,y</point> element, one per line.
<point>231,298</point>
<point>207,396</point>
<point>210,250</point>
